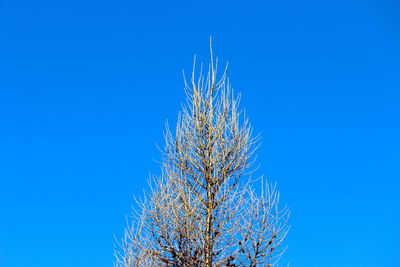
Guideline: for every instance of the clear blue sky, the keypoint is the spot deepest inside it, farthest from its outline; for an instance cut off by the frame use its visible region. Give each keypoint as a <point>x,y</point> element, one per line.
<point>86,86</point>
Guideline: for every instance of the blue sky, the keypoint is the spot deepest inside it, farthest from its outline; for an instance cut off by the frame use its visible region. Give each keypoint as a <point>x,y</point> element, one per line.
<point>86,87</point>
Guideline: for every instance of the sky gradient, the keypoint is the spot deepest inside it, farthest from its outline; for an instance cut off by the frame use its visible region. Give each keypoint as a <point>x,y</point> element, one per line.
<point>86,88</point>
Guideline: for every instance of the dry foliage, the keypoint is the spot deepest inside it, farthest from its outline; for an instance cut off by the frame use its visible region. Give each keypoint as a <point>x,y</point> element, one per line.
<point>200,211</point>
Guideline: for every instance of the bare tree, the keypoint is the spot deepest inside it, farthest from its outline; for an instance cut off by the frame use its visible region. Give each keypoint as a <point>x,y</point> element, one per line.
<point>202,210</point>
